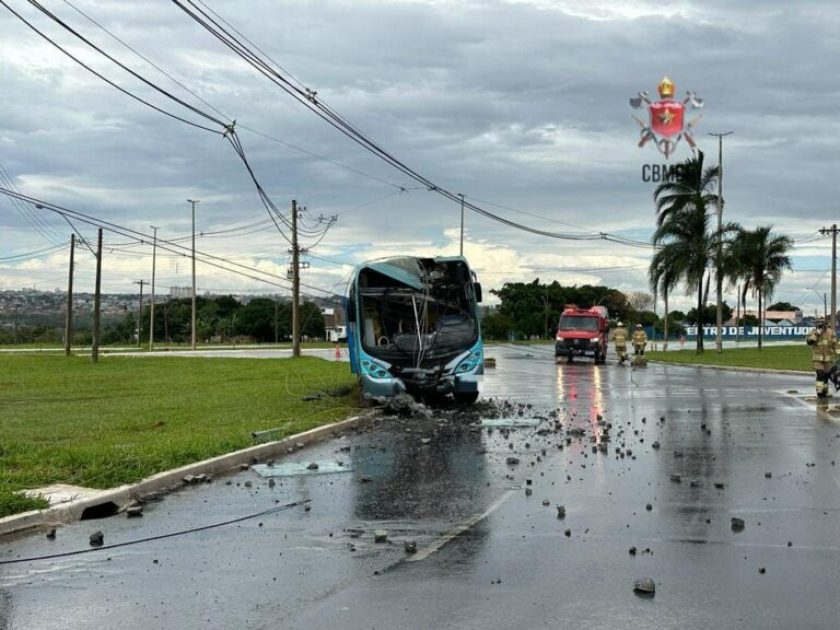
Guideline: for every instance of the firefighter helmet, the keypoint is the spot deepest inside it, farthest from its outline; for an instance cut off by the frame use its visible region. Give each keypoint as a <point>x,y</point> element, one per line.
<point>638,325</point>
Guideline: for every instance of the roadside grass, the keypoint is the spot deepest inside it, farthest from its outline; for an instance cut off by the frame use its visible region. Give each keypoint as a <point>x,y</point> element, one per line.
<point>65,420</point>
<point>160,345</point>
<point>793,357</point>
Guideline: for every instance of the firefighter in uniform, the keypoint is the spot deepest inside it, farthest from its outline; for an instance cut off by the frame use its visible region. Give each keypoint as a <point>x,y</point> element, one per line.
<point>639,341</point>
<point>620,339</point>
<point>823,354</point>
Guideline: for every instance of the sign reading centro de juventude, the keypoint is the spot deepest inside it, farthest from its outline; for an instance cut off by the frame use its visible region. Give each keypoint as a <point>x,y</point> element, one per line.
<point>769,333</point>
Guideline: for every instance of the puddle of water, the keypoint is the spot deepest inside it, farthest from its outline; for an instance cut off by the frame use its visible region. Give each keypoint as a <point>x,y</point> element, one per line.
<point>294,469</point>
<point>509,422</point>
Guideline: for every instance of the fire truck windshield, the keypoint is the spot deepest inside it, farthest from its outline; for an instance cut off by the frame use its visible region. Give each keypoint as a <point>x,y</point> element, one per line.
<point>578,322</point>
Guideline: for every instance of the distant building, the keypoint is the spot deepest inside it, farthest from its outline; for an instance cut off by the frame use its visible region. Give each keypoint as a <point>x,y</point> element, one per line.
<point>180,292</point>
<point>775,317</point>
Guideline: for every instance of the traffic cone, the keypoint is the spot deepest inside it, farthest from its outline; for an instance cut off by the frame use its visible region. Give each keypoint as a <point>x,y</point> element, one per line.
<point>337,351</point>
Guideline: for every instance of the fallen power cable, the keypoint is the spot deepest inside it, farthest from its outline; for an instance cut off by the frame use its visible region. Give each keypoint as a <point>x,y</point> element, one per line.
<point>191,530</point>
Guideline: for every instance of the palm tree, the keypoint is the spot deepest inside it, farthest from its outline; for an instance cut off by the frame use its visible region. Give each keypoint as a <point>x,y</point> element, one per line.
<point>682,233</point>
<point>664,277</point>
<point>760,257</point>
<point>684,243</point>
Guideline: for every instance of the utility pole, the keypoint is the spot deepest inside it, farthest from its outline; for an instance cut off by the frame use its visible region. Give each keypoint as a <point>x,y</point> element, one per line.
<point>833,231</point>
<point>461,195</point>
<point>152,309</point>
<point>193,202</point>
<point>738,315</point>
<point>719,283</point>
<point>295,284</point>
<point>276,336</point>
<point>68,322</point>
<point>97,299</point>
<point>140,313</point>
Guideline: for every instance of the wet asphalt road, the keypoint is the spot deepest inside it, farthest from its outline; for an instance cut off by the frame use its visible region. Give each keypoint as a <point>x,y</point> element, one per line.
<point>489,556</point>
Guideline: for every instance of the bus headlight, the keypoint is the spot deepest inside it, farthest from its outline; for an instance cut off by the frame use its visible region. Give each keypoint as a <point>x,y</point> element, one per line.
<point>469,363</point>
<point>375,369</point>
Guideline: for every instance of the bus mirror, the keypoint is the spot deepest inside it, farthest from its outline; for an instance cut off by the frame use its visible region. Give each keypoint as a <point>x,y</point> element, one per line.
<point>477,286</point>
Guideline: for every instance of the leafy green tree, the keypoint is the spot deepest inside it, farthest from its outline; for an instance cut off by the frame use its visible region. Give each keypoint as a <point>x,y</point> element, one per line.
<point>257,319</point>
<point>312,323</point>
<point>496,325</point>
<point>709,314</point>
<point>782,306</point>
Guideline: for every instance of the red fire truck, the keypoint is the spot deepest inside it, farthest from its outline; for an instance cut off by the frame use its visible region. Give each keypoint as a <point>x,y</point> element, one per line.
<point>583,332</point>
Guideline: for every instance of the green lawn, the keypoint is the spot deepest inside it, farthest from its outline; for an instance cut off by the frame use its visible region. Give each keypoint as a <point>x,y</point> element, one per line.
<point>67,420</point>
<point>58,346</point>
<point>794,357</point>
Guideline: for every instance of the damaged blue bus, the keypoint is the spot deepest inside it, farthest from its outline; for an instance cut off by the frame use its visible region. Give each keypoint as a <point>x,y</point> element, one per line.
<point>413,326</point>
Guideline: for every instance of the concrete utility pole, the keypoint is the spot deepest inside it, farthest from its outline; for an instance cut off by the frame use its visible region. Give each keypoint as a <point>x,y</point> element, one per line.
<point>140,313</point>
<point>833,231</point>
<point>152,309</point>
<point>192,203</point>
<point>295,284</point>
<point>97,299</point>
<point>68,322</point>
<point>719,283</point>
<point>461,195</point>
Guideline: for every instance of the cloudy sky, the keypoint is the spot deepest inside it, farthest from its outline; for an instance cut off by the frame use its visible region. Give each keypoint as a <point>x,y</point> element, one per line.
<point>522,105</point>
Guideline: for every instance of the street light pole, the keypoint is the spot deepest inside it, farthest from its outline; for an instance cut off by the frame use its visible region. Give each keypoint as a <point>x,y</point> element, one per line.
<point>152,307</point>
<point>461,195</point>
<point>193,202</point>
<point>719,283</point>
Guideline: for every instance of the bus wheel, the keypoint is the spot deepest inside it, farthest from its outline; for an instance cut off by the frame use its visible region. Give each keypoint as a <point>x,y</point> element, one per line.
<point>465,397</point>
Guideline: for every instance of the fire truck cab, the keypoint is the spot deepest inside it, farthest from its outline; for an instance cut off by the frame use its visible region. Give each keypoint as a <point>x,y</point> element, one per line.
<point>583,333</point>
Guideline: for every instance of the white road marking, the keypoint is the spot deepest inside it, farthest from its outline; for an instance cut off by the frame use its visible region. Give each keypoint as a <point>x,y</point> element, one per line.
<point>424,553</point>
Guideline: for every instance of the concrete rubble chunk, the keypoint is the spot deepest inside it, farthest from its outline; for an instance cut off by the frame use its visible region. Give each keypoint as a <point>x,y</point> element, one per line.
<point>561,511</point>
<point>737,524</point>
<point>655,444</point>
<point>380,536</point>
<point>313,466</point>
<point>51,534</point>
<point>632,551</point>
<point>410,546</point>
<point>568,533</point>
<point>512,461</point>
<point>546,502</point>
<point>768,475</point>
<point>133,511</point>
<point>97,539</point>
<point>644,586</point>
<point>676,478</point>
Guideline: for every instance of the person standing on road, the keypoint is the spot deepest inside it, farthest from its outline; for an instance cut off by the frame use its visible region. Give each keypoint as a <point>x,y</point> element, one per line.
<point>620,339</point>
<point>639,341</point>
<point>824,352</point>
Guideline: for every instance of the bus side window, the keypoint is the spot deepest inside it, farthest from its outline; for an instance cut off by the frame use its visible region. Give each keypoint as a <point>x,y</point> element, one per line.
<point>477,286</point>
<point>351,306</point>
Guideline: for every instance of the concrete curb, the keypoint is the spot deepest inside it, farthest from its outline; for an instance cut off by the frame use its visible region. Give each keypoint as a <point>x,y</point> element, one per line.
<point>734,368</point>
<point>169,480</point>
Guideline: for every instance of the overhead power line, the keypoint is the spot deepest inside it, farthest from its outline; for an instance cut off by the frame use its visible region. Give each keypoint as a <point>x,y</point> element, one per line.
<point>186,252</point>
